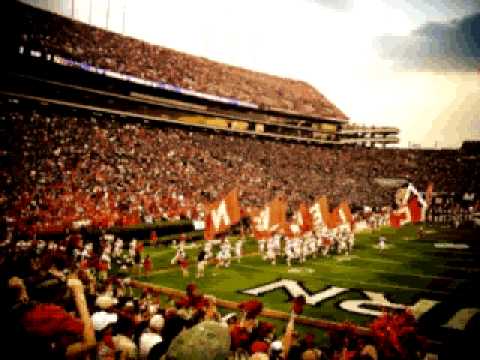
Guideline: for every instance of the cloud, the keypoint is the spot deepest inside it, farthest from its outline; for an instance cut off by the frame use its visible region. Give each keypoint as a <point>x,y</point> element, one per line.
<point>440,9</point>
<point>453,46</point>
<point>341,5</point>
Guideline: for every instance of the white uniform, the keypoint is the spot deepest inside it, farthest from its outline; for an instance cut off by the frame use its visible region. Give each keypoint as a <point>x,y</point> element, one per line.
<point>271,253</point>
<point>225,254</point>
<point>208,250</point>
<point>179,255</point>
<point>106,258</point>
<point>305,249</point>
<point>85,254</point>
<point>132,248</point>
<point>312,245</point>
<point>277,244</point>
<point>350,241</point>
<point>118,248</point>
<point>297,248</point>
<point>289,251</point>
<point>381,242</point>
<point>341,241</point>
<point>238,249</point>
<point>261,248</point>
<point>327,241</point>
<point>108,248</point>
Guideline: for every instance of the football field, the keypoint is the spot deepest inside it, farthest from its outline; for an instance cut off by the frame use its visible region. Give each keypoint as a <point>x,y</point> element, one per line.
<point>437,275</point>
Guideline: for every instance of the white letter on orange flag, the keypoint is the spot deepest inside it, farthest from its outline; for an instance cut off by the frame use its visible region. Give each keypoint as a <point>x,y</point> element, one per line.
<point>220,214</point>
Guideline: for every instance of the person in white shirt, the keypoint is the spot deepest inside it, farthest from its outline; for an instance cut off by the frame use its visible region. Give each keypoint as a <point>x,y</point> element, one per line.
<point>208,250</point>
<point>261,248</point>
<point>225,254</point>
<point>151,336</point>
<point>238,249</point>
<point>381,242</point>
<point>277,244</point>
<point>180,253</point>
<point>132,248</point>
<point>350,242</point>
<point>118,248</point>
<point>297,248</point>
<point>305,248</point>
<point>289,251</point>
<point>271,253</point>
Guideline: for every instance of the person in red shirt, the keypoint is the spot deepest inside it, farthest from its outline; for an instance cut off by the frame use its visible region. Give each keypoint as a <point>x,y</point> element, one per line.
<point>153,238</point>
<point>147,265</point>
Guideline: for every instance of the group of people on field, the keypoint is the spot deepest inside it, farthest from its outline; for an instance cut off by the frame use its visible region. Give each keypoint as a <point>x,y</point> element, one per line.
<point>299,247</point>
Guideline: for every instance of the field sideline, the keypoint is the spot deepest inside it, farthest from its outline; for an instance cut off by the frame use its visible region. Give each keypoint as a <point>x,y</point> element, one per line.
<point>408,270</point>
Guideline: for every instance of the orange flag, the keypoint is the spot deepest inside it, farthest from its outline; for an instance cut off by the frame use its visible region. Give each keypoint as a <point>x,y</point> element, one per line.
<point>320,212</point>
<point>304,218</point>
<point>272,217</point>
<point>342,215</point>
<point>345,213</point>
<point>221,215</point>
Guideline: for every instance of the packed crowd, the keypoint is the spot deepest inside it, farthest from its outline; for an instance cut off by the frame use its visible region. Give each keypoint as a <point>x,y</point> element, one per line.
<point>61,166</point>
<point>53,34</point>
<point>62,301</point>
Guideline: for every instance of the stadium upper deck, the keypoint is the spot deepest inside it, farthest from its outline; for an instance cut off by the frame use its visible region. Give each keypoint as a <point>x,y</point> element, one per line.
<point>77,41</point>
<point>261,97</point>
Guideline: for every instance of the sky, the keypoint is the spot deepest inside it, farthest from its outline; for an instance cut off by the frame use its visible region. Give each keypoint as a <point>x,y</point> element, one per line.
<point>413,64</point>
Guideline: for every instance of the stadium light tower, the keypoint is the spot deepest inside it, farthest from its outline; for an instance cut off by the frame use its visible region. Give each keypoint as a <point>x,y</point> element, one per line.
<point>124,12</point>
<point>90,13</point>
<point>108,13</point>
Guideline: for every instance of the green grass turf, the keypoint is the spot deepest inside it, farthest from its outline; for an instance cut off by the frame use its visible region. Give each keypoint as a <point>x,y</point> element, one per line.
<point>409,269</point>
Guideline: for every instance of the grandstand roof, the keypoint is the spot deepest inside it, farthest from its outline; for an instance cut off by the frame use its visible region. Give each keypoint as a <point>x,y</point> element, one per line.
<point>98,47</point>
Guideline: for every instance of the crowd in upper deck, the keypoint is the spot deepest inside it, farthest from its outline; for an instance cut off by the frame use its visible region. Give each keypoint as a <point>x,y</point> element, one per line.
<point>42,31</point>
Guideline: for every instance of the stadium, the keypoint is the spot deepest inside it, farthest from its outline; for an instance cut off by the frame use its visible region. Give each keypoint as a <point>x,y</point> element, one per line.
<point>161,205</point>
